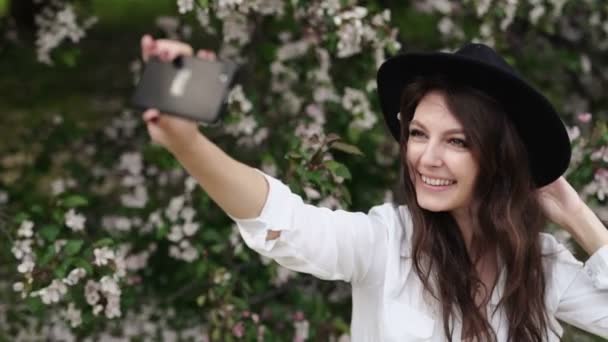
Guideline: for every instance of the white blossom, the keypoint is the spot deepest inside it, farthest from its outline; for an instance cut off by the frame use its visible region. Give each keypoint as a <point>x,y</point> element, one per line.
<point>52,293</point>
<point>3,197</point>
<point>311,193</point>
<point>510,9</point>
<point>187,214</point>
<point>135,262</point>
<point>175,206</point>
<point>585,64</point>
<point>190,184</point>
<point>190,228</point>
<point>189,254</point>
<point>103,255</point>
<point>573,132</point>
<point>91,292</point>
<point>131,162</point>
<point>235,240</point>
<point>26,265</point>
<point>185,6</point>
<point>18,286</point>
<point>302,330</point>
<point>482,7</point>
<point>56,23</point>
<point>74,276</point>
<point>109,285</point>
<point>59,186</point>
<point>74,220</point>
<point>26,229</point>
<point>237,96</point>
<point>330,202</point>
<point>282,276</point>
<point>73,315</point>
<point>113,307</point>
<point>536,13</point>
<point>97,309</point>
<point>137,199</point>
<point>176,234</point>
<point>22,248</point>
<point>245,126</point>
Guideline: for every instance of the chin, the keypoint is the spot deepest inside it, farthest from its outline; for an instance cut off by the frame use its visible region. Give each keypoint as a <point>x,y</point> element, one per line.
<point>434,205</point>
<point>433,208</point>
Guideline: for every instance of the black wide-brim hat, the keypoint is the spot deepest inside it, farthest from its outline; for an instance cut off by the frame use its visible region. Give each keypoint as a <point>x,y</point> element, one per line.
<point>480,67</point>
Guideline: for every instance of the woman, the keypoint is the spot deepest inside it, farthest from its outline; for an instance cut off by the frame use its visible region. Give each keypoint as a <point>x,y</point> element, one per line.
<point>464,258</point>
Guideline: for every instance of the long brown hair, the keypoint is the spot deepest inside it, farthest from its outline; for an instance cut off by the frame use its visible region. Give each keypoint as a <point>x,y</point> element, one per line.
<point>507,219</point>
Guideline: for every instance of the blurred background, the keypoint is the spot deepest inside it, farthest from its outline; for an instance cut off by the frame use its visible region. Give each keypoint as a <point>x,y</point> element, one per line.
<point>104,237</point>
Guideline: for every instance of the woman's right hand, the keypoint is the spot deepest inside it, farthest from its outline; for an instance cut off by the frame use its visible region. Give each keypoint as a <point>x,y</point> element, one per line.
<point>172,132</point>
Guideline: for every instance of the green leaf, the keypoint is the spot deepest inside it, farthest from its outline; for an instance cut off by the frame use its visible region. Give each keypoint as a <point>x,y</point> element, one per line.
<point>47,256</point>
<point>344,147</point>
<point>74,201</point>
<point>69,57</point>
<point>217,248</point>
<point>162,231</point>
<point>80,262</point>
<point>338,169</point>
<point>20,217</point>
<point>62,270</point>
<point>49,232</point>
<point>73,247</point>
<point>293,155</point>
<point>36,209</point>
<point>103,242</point>
<point>34,304</point>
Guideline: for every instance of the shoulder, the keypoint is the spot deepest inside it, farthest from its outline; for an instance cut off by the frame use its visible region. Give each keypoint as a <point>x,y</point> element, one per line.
<point>398,224</point>
<point>393,215</point>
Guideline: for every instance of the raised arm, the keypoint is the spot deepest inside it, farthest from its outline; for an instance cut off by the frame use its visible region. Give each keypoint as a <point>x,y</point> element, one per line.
<point>581,288</point>
<point>237,188</point>
<point>336,245</point>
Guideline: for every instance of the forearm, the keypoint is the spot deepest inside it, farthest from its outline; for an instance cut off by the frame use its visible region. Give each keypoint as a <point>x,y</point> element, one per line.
<point>587,229</point>
<point>237,188</point>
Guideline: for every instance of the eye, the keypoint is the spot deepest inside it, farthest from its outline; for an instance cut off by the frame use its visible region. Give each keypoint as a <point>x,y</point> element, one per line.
<point>416,133</point>
<point>458,142</point>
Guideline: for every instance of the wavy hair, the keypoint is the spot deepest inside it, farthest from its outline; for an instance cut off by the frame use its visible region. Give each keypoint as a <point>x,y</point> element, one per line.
<point>506,216</point>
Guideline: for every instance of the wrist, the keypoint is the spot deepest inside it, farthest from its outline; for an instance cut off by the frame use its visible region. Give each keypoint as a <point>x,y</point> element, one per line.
<point>186,147</point>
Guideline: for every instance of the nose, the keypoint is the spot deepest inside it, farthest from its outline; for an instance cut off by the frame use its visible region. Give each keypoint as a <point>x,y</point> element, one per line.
<point>431,155</point>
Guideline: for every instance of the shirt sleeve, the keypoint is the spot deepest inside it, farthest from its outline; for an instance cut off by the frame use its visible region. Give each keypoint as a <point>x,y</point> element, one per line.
<point>331,245</point>
<point>582,289</point>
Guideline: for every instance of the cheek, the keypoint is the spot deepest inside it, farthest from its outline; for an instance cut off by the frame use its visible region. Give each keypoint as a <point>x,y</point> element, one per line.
<point>467,169</point>
<point>411,154</point>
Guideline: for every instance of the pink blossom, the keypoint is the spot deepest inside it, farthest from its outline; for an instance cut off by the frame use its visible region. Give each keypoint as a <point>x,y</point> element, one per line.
<point>584,117</point>
<point>238,329</point>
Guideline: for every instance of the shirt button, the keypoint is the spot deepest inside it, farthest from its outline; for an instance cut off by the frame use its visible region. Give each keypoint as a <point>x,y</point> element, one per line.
<point>590,272</point>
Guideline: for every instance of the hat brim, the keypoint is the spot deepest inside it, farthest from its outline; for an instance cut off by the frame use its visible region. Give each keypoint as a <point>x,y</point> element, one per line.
<point>537,122</point>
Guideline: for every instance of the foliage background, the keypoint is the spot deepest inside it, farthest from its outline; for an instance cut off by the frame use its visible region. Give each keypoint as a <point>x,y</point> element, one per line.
<point>103,236</point>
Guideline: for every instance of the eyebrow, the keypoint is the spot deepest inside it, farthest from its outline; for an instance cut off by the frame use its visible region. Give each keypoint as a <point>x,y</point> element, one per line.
<point>449,131</point>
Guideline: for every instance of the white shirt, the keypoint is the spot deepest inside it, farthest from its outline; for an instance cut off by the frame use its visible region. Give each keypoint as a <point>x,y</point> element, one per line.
<point>372,252</point>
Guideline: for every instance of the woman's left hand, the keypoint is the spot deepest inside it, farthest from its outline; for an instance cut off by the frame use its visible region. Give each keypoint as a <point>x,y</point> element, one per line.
<point>560,202</point>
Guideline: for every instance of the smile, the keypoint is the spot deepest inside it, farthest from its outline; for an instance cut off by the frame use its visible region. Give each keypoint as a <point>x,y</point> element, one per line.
<point>436,182</point>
